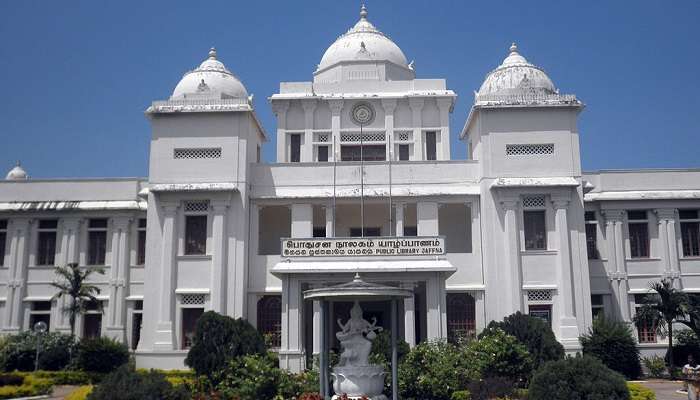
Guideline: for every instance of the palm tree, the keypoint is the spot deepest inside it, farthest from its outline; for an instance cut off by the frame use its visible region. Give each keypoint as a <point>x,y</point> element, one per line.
<point>73,283</point>
<point>662,309</point>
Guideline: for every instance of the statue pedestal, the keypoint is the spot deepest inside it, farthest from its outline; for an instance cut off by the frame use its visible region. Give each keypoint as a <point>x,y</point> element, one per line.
<point>359,381</point>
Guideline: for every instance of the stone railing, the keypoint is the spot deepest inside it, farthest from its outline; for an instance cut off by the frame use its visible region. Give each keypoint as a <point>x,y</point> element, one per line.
<point>526,98</point>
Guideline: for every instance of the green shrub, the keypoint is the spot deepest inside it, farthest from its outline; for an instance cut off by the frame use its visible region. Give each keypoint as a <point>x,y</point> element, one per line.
<point>127,384</point>
<point>101,355</point>
<point>639,392</point>
<point>491,388</point>
<point>254,377</point>
<point>461,395</point>
<point>577,378</point>
<point>30,387</point>
<point>612,343</point>
<point>67,377</point>
<point>381,354</point>
<point>11,379</point>
<point>685,343</point>
<point>219,339</point>
<point>655,365</point>
<point>18,352</point>
<point>434,370</point>
<point>497,354</point>
<point>535,334</point>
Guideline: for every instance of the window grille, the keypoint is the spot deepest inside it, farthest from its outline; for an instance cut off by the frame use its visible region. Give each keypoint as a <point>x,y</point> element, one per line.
<point>529,149</point>
<point>533,202</point>
<point>192,299</point>
<point>539,295</point>
<point>197,206</point>
<point>461,316</point>
<point>199,152</point>
<point>403,136</point>
<point>366,137</point>
<point>322,137</point>
<point>270,318</point>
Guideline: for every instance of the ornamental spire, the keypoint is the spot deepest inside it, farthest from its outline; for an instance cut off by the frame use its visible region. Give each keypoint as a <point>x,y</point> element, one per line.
<point>363,12</point>
<point>212,53</point>
<point>513,48</point>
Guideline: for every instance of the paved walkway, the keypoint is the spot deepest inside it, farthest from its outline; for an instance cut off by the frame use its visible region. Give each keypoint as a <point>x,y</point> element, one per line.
<point>59,392</point>
<point>666,390</point>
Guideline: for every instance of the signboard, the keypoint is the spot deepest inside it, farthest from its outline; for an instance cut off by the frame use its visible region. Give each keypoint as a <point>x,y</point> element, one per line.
<point>366,246</point>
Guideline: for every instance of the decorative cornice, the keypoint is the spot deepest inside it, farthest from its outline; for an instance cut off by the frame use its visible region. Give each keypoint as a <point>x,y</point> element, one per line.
<point>617,276</point>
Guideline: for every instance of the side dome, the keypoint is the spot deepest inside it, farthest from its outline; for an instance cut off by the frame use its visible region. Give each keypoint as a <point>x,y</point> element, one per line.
<point>17,173</point>
<point>363,42</point>
<point>517,76</point>
<point>211,78</point>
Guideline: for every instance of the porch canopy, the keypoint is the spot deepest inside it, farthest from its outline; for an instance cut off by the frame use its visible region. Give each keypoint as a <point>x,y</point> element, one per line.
<point>357,290</point>
<point>359,265</point>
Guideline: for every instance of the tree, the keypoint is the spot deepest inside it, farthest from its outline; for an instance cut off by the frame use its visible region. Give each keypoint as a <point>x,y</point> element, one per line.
<point>662,309</point>
<point>73,284</point>
<point>612,343</point>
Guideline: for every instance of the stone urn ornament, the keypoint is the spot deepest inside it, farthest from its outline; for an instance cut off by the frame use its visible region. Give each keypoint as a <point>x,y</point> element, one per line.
<point>354,378</point>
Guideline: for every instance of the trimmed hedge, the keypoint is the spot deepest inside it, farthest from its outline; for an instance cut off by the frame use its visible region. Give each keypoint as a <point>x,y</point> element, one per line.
<point>127,384</point>
<point>18,352</point>
<point>101,355</point>
<point>31,386</point>
<point>577,378</point>
<point>639,392</point>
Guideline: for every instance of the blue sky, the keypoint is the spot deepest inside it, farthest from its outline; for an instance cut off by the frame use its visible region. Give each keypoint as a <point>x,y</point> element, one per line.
<point>78,75</point>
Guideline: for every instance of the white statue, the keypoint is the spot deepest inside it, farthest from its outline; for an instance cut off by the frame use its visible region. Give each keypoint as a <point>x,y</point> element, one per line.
<point>356,337</point>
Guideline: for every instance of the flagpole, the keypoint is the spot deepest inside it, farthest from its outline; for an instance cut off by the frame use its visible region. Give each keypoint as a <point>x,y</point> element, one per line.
<point>391,151</point>
<point>335,164</point>
<point>362,183</point>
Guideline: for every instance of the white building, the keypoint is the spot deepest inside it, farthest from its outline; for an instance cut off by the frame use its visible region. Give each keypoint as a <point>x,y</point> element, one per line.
<point>524,228</point>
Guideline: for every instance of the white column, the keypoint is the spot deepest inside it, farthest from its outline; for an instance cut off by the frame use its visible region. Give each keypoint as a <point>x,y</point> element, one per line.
<point>389,106</point>
<point>316,327</point>
<point>164,328</point>
<point>444,105</point>
<point>330,223</point>
<point>118,273</point>
<point>400,208</point>
<point>667,236</point>
<point>336,107</point>
<point>427,215</point>
<point>307,150</point>
<point>279,107</point>
<point>513,293</point>
<point>409,315</point>
<point>416,105</point>
<point>291,353</point>
<point>254,244</point>
<point>436,309</point>
<point>18,230</point>
<point>568,326</point>
<point>616,257</point>
<point>218,257</point>
<point>302,220</point>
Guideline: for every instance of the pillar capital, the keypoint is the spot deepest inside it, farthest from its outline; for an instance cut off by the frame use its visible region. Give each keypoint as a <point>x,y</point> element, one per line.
<point>389,105</point>
<point>309,105</point>
<point>613,215</point>
<point>416,103</point>
<point>279,107</point>
<point>560,204</point>
<point>509,204</point>
<point>665,214</point>
<point>336,106</point>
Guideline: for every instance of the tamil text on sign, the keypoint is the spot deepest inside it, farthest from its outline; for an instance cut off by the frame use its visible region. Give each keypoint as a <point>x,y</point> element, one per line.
<point>368,246</point>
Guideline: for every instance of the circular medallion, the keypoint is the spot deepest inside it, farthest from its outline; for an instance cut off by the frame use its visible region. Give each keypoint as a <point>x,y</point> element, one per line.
<point>362,113</point>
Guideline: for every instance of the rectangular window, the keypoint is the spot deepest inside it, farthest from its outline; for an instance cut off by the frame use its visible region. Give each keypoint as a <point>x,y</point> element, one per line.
<point>319,232</point>
<point>410,231</point>
<point>403,152</point>
<point>97,241</point>
<point>189,322</point>
<point>638,228</point>
<point>141,245</point>
<point>40,311</point>
<point>369,232</point>
<point>294,147</point>
<point>430,146</point>
<point>366,153</point>
<point>3,240</point>
<point>270,319</point>
<point>535,230</point>
<point>454,222</point>
<point>46,242</point>
<point>92,325</point>
<point>195,234</point>
<point>646,332</point>
<point>597,306</point>
<point>541,311</point>
<point>275,223</point>
<point>257,154</point>
<point>591,235</point>
<point>461,316</point>
<point>322,153</point>
<point>690,232</point>
<point>136,324</point>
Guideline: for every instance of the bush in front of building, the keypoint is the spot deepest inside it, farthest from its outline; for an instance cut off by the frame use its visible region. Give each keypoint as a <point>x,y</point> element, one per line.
<point>434,370</point>
<point>18,352</point>
<point>535,334</point>
<point>612,343</point>
<point>499,356</point>
<point>577,378</point>
<point>655,366</point>
<point>685,344</point>
<point>639,392</point>
<point>253,377</point>
<point>218,340</point>
<point>30,386</point>
<point>100,355</point>
<point>125,383</point>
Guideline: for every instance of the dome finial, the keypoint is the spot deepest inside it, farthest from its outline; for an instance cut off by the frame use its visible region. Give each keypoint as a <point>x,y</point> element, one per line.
<point>513,48</point>
<point>212,53</point>
<point>363,12</point>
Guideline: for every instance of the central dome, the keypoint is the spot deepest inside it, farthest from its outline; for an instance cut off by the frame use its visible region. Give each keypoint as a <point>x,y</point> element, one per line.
<point>211,78</point>
<point>363,42</point>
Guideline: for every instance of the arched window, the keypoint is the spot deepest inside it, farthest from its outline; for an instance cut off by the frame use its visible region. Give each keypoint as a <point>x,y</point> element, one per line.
<point>270,319</point>
<point>461,311</point>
